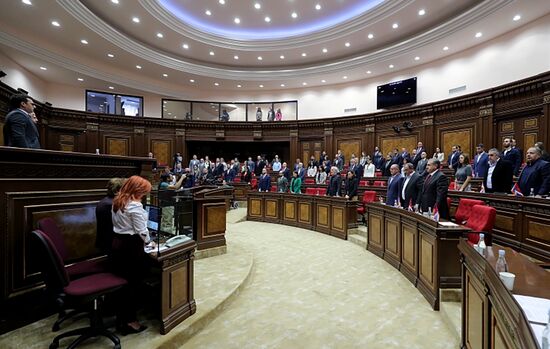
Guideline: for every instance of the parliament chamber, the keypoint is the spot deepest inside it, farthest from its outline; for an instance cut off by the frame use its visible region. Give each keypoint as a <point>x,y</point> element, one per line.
<point>247,154</point>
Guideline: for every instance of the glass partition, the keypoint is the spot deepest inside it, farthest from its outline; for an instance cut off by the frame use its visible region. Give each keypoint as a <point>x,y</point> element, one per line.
<point>205,111</point>
<point>109,103</point>
<point>235,112</point>
<point>258,111</point>
<point>180,110</point>
<point>286,111</point>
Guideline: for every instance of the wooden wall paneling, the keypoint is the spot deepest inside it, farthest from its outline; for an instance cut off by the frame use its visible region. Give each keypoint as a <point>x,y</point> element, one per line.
<point>389,142</point>
<point>427,132</point>
<point>293,147</point>
<point>329,141</point>
<point>306,152</point>
<point>138,141</point>
<point>462,137</point>
<point>92,138</point>
<point>181,145</point>
<point>369,139</point>
<point>475,314</point>
<point>66,142</point>
<point>162,151</point>
<point>117,146</point>
<point>545,117</point>
<point>350,146</point>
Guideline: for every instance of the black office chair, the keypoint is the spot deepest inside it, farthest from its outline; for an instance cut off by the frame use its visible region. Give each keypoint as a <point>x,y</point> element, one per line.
<point>86,290</point>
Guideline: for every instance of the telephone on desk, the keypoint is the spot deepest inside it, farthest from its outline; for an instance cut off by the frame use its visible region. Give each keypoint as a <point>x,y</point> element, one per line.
<point>176,240</point>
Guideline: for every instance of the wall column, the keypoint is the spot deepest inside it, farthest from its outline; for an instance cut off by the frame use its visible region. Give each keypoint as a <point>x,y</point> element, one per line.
<point>140,148</point>
<point>293,147</point>
<point>487,130</point>
<point>545,117</point>
<point>92,138</point>
<point>329,141</point>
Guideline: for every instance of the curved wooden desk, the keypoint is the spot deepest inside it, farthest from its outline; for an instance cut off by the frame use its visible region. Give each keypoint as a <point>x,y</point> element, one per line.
<point>491,317</point>
<point>325,214</point>
<point>422,249</point>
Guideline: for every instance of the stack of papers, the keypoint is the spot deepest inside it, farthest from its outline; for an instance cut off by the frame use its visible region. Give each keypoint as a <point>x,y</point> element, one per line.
<point>536,310</point>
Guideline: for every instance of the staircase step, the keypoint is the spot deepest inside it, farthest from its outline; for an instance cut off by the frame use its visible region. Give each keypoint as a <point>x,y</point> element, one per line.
<point>451,295</point>
<point>360,230</point>
<point>451,313</point>
<point>358,240</point>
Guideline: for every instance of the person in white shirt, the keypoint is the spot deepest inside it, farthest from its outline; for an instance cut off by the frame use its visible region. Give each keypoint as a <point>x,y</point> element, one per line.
<point>311,171</point>
<point>321,177</point>
<point>370,168</point>
<point>128,257</point>
<point>276,164</point>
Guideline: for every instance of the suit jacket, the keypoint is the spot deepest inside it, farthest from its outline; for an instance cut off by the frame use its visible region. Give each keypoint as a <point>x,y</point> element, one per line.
<point>20,131</point>
<point>259,167</point>
<point>501,179</point>
<point>302,174</point>
<point>357,170</point>
<point>265,183</point>
<point>513,155</point>
<point>418,155</point>
<point>386,168</point>
<point>535,175</point>
<point>392,193</point>
<point>350,187</point>
<point>334,185</point>
<point>453,161</point>
<point>434,192</point>
<point>412,190</point>
<point>481,164</point>
<point>397,160</point>
<point>286,173</point>
<point>421,167</point>
<point>104,224</point>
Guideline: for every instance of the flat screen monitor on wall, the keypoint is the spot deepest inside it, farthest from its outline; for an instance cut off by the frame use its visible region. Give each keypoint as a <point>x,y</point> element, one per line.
<point>397,93</point>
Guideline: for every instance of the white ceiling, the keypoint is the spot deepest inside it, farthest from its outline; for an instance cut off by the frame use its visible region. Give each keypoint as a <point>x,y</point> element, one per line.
<point>28,37</point>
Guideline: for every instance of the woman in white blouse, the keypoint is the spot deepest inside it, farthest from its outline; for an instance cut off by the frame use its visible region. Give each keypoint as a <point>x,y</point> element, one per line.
<point>311,171</point>
<point>369,168</point>
<point>129,259</point>
<point>439,155</point>
<point>321,176</point>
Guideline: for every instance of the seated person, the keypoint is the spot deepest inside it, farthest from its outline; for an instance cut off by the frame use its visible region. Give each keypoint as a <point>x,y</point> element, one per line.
<point>104,221</point>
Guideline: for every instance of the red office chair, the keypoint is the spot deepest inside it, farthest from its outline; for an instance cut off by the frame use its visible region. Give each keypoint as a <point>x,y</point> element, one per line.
<point>363,183</point>
<point>368,196</point>
<point>452,185</point>
<point>377,173</point>
<point>253,183</point>
<point>465,209</point>
<point>482,219</point>
<point>273,189</point>
<point>86,290</point>
<point>309,180</point>
<point>237,179</point>
<point>311,191</point>
<point>379,183</point>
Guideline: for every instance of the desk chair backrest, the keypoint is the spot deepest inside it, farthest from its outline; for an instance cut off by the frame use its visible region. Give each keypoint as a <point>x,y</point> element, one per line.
<point>482,220</point>
<point>51,263</point>
<point>49,227</point>
<point>464,210</point>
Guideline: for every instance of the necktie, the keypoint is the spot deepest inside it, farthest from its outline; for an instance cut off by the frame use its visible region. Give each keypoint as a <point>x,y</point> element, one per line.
<point>428,180</point>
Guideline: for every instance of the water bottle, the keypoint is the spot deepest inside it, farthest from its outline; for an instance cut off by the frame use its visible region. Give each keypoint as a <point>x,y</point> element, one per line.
<point>532,193</point>
<point>546,334</point>
<point>501,265</point>
<point>481,244</point>
<point>430,212</point>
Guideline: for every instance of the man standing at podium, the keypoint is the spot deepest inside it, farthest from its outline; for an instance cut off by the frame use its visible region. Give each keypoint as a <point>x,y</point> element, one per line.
<point>19,128</point>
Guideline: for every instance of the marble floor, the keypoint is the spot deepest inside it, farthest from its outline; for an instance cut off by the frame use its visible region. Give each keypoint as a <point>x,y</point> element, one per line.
<point>305,290</point>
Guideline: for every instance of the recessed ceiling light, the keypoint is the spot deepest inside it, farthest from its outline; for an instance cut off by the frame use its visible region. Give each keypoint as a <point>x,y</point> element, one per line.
<point>43,68</point>
<point>416,58</point>
<point>323,81</point>
<point>235,57</point>
<point>110,55</point>
<point>84,41</point>
<point>138,66</point>
<point>304,54</point>
<point>391,66</point>
<point>185,46</point>
<point>370,36</point>
<point>369,72</point>
<point>260,58</point>
<point>165,75</point>
<point>191,80</point>
<point>446,48</point>
<point>111,88</point>
<point>212,53</point>
<point>222,2</point>
<point>267,19</point>
<point>208,13</point>
<point>80,79</point>
<point>318,7</point>
<point>114,1</point>
<point>257,6</point>
<point>304,83</point>
<point>135,20</point>
<point>479,34</point>
<point>160,35</point>
<point>395,26</point>
<point>163,102</point>
<point>344,77</point>
<point>294,15</point>
<point>26,2</point>
<point>237,20</point>
<point>282,57</point>
<point>239,86</point>
<point>325,50</point>
<point>516,18</point>
<point>169,113</point>
<point>261,86</point>
<point>421,12</point>
<point>347,44</point>
<point>282,85</point>
<point>56,23</point>
<point>217,84</point>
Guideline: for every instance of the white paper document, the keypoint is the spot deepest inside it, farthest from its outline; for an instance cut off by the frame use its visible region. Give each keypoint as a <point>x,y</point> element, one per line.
<point>448,224</point>
<point>535,309</point>
<point>537,330</point>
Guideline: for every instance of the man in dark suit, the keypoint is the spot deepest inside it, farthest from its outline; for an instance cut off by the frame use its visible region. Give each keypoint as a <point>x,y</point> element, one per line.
<point>434,190</point>
<point>260,164</point>
<point>421,164</point>
<point>357,169</point>
<point>481,161</point>
<point>452,160</point>
<point>410,186</point>
<point>19,128</point>
<point>498,176</point>
<point>265,181</point>
<point>335,182</point>
<point>396,158</point>
<point>387,165</point>
<point>286,171</point>
<point>392,193</point>
<point>535,175</point>
<point>511,154</point>
<point>350,186</point>
<point>419,149</point>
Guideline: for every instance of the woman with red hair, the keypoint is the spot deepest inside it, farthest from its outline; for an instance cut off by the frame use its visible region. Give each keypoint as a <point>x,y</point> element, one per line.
<point>128,256</point>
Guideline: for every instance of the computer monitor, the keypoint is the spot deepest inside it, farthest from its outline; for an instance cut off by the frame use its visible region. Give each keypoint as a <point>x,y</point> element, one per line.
<point>154,217</point>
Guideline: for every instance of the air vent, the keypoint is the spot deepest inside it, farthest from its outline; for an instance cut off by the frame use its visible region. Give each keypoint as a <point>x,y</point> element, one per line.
<point>457,89</point>
<point>350,110</point>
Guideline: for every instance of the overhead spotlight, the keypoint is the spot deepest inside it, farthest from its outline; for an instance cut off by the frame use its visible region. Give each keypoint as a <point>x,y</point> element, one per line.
<point>396,129</point>
<point>516,18</point>
<point>257,6</point>
<point>370,36</point>
<point>421,12</point>
<point>294,15</point>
